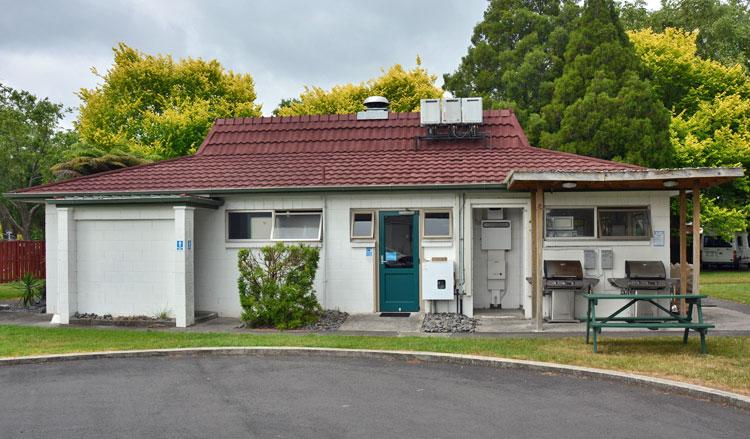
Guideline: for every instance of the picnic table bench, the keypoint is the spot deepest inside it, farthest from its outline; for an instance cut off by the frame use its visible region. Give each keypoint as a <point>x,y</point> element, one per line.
<point>669,320</point>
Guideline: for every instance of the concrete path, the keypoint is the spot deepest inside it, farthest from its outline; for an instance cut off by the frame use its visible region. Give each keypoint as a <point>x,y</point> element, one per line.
<point>376,323</point>
<point>301,396</point>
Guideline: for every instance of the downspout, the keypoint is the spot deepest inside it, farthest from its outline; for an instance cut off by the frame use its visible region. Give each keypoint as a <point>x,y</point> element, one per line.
<point>461,265</point>
<point>325,251</point>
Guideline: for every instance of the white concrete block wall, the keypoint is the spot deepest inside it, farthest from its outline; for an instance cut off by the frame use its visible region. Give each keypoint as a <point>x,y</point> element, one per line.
<point>657,201</point>
<point>346,278</point>
<point>50,255</point>
<point>126,261</point>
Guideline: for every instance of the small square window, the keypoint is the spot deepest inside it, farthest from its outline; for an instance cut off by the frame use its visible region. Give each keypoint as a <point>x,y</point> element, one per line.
<point>249,225</point>
<point>363,225</point>
<point>437,224</point>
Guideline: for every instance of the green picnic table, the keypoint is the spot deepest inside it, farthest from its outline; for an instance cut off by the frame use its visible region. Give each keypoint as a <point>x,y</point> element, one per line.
<point>670,319</point>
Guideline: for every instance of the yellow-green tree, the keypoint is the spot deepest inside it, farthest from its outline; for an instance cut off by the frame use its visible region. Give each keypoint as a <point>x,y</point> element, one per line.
<point>680,77</point>
<point>710,123</point>
<point>403,88</point>
<point>159,107</point>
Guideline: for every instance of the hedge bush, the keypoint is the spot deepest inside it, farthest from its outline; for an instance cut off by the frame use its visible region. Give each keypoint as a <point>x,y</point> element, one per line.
<point>276,286</point>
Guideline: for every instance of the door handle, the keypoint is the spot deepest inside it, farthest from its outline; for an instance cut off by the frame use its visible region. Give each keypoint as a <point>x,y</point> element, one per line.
<point>382,260</point>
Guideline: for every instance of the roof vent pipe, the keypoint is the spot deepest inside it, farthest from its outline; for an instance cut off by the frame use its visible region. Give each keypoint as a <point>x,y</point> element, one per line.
<point>377,108</point>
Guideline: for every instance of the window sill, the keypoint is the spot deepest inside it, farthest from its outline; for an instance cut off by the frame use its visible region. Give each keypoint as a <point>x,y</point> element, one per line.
<point>433,242</point>
<point>260,244</point>
<point>360,243</point>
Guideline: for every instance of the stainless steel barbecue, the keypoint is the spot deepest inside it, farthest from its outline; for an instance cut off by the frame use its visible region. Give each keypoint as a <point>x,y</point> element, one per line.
<point>645,277</point>
<point>562,280</point>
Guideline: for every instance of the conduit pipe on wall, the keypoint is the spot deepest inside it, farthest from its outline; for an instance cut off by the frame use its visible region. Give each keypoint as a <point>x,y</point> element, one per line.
<point>461,266</point>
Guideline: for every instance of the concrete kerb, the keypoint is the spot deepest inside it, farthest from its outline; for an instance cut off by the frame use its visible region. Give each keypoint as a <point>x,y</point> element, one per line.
<point>665,385</point>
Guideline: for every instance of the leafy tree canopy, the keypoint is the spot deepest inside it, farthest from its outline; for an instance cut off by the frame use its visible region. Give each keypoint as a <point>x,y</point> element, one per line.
<point>159,107</point>
<point>718,134</point>
<point>403,88</point>
<point>30,142</point>
<point>680,77</point>
<point>601,106</point>
<point>516,53</point>
<point>723,26</point>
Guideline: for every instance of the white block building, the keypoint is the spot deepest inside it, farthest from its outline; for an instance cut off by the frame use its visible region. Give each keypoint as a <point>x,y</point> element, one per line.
<point>397,207</point>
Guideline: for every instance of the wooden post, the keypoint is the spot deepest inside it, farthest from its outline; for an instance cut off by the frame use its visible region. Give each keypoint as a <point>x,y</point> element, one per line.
<point>538,288</point>
<point>534,268</point>
<point>683,250</point>
<point>696,238</point>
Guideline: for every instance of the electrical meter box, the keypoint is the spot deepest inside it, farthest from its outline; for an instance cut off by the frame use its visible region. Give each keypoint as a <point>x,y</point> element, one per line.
<point>437,280</point>
<point>608,259</point>
<point>496,235</point>
<point>429,111</point>
<point>589,259</point>
<point>451,111</point>
<point>471,110</point>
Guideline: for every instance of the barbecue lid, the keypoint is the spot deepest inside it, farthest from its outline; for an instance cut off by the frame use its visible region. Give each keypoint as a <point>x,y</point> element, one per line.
<point>645,270</point>
<point>563,270</point>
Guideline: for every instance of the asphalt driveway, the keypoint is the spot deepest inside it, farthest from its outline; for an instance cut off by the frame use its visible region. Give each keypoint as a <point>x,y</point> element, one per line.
<point>296,396</point>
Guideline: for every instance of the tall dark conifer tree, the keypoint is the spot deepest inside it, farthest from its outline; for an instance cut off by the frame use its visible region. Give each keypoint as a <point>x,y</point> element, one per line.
<point>601,105</point>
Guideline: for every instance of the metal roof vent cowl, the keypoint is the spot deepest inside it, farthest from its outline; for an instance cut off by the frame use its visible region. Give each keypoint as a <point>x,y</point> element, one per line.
<point>377,108</point>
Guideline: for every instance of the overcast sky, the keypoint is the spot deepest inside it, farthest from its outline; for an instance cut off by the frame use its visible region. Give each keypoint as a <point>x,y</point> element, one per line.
<point>49,47</point>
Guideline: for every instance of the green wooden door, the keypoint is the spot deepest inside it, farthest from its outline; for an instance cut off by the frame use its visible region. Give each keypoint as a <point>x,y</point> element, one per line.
<point>398,250</point>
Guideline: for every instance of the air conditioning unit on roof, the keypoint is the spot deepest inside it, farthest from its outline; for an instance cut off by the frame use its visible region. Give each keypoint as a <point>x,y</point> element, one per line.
<point>429,111</point>
<point>451,111</point>
<point>471,110</point>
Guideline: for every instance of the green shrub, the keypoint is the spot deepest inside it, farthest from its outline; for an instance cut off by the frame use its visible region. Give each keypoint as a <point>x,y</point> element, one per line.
<point>32,289</point>
<point>276,286</point>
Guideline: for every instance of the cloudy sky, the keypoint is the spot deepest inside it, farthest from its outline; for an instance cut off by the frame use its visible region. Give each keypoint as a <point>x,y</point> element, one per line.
<point>49,47</point>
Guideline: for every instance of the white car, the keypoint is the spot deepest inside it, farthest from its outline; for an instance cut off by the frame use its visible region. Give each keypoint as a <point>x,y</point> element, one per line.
<point>720,252</point>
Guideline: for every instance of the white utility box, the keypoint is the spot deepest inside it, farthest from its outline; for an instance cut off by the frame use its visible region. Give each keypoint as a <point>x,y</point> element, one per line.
<point>429,111</point>
<point>471,110</point>
<point>496,235</point>
<point>451,111</point>
<point>496,264</point>
<point>437,280</point>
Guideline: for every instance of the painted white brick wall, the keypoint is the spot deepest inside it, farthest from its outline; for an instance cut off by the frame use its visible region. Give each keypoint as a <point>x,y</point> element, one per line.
<point>125,266</point>
<point>126,259</point>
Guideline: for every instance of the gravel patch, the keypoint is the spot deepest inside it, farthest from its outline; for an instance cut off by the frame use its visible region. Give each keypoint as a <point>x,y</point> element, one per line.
<point>330,320</point>
<point>448,322</point>
<point>38,307</point>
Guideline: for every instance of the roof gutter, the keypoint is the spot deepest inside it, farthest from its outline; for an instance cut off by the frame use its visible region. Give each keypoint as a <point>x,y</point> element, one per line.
<point>37,197</point>
<point>175,200</point>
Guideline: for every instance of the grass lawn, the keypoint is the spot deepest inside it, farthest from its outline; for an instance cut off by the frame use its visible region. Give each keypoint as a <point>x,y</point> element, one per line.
<point>9,291</point>
<point>728,285</point>
<point>726,366</point>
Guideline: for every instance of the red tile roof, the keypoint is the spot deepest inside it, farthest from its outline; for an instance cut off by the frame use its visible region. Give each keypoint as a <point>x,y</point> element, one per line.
<point>335,151</point>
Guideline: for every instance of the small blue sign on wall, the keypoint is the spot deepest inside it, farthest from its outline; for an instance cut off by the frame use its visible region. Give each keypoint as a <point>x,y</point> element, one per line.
<point>368,251</point>
<point>180,245</point>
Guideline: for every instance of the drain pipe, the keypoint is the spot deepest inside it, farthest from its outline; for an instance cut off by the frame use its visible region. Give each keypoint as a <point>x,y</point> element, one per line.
<point>461,265</point>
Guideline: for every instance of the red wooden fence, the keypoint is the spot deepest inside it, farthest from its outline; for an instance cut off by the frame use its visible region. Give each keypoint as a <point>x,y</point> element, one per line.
<point>20,257</point>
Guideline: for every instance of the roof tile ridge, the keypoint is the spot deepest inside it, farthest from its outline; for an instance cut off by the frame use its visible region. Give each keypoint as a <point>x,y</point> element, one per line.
<point>585,157</point>
<point>101,174</point>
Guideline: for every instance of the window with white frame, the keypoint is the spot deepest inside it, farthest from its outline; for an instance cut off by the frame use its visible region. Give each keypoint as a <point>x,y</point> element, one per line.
<point>624,223</point>
<point>570,223</point>
<point>437,224</point>
<point>249,225</point>
<point>274,225</point>
<point>297,225</point>
<point>363,225</point>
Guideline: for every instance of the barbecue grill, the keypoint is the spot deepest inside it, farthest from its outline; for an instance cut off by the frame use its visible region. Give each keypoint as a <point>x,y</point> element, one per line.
<point>648,277</point>
<point>562,280</point>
